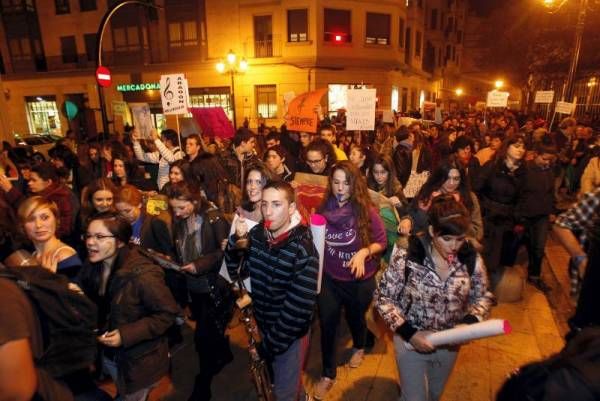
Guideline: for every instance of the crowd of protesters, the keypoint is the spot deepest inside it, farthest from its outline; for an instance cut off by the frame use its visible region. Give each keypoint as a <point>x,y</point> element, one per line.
<point>465,193</point>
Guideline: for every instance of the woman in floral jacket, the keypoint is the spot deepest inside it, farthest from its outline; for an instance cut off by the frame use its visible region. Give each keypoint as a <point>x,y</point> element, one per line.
<point>437,283</point>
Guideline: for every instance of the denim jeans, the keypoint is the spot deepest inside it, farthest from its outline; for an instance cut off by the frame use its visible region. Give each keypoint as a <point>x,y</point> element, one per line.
<point>287,371</point>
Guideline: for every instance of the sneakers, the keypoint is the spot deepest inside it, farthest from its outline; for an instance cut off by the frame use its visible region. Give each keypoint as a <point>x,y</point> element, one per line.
<point>323,387</point>
<point>357,358</point>
<point>539,284</point>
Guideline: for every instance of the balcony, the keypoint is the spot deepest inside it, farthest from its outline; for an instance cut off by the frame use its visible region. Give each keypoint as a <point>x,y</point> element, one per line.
<point>265,48</point>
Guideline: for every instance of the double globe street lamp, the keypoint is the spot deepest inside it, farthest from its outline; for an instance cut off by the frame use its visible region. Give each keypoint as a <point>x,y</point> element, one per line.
<point>232,67</point>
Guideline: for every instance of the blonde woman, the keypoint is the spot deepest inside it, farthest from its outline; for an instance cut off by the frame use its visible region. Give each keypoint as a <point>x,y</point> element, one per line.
<point>39,219</point>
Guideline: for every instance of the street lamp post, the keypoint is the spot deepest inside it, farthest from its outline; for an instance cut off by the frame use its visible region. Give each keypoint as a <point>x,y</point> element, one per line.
<point>99,36</point>
<point>232,68</point>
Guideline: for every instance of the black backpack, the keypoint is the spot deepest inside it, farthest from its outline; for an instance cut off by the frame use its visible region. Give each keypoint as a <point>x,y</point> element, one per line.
<point>67,319</point>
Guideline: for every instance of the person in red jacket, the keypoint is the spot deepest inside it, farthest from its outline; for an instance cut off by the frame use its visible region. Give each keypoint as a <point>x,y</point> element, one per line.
<point>44,182</point>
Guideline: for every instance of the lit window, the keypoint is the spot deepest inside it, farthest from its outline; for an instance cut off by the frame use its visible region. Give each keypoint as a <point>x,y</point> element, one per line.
<point>266,101</point>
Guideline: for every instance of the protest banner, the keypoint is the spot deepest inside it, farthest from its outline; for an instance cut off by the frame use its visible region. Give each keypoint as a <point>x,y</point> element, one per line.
<point>497,99</point>
<point>310,193</point>
<point>564,107</point>
<point>213,121</point>
<point>360,113</point>
<point>142,118</point>
<point>174,94</point>
<point>544,97</point>
<point>388,116</point>
<point>301,114</point>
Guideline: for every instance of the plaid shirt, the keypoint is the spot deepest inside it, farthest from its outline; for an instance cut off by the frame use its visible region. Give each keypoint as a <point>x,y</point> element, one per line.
<point>580,217</point>
<point>426,301</point>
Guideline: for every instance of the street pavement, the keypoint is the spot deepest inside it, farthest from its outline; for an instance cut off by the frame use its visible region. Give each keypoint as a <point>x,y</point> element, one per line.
<point>538,322</point>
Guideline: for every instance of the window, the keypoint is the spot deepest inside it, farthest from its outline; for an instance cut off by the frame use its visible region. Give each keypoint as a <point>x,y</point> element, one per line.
<point>418,44</point>
<point>407,42</point>
<point>459,36</point>
<point>68,49</point>
<point>42,115</point>
<point>184,33</point>
<point>297,25</point>
<point>62,7</point>
<point>2,69</point>
<point>266,101</point>
<point>434,19</point>
<point>90,46</point>
<point>401,35</point>
<point>263,36</point>
<point>87,5</point>
<point>337,26</point>
<point>378,29</point>
<point>20,49</point>
<point>126,39</point>
<point>212,97</point>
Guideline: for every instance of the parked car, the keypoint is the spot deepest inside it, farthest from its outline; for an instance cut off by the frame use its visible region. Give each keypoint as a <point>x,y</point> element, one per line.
<point>35,146</point>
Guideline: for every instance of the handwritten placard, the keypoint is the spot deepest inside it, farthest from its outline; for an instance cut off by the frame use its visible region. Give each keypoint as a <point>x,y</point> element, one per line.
<point>497,99</point>
<point>142,118</point>
<point>544,97</point>
<point>361,109</point>
<point>174,94</point>
<point>564,107</point>
<point>301,114</point>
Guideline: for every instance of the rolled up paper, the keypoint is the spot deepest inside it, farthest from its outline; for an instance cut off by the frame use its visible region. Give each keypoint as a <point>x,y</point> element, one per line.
<point>461,334</point>
<point>317,228</point>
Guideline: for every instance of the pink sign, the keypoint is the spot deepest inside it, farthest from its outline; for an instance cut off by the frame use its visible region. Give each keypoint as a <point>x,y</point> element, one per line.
<point>213,121</point>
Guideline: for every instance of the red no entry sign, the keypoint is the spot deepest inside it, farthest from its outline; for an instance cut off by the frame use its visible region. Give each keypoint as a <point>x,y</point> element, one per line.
<point>103,77</point>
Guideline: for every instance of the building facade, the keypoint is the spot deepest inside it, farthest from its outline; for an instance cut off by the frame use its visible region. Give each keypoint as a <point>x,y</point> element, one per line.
<point>405,49</point>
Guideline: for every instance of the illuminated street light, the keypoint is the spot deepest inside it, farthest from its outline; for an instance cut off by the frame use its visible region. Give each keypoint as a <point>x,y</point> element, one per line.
<point>232,68</point>
<point>499,84</point>
<point>592,82</point>
<point>458,91</point>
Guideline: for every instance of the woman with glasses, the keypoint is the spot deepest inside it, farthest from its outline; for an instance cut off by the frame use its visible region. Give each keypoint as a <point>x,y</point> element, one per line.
<point>199,230</point>
<point>439,282</point>
<point>135,307</point>
<point>354,238</point>
<point>38,218</point>
<point>319,158</point>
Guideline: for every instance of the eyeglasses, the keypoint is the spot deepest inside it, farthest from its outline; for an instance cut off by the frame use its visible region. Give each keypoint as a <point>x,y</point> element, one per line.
<point>97,237</point>
<point>314,161</point>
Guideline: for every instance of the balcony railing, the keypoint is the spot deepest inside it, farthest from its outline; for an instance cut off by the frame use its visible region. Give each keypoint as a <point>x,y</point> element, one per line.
<point>266,48</point>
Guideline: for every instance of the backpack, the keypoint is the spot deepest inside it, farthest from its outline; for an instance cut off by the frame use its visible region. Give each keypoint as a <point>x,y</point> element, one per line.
<point>67,319</point>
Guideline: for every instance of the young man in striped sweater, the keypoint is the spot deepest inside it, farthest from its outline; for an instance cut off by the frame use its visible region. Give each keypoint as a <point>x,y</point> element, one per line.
<point>283,266</point>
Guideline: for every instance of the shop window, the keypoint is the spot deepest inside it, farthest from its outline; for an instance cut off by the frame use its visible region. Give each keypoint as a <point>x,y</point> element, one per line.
<point>42,115</point>
<point>183,33</point>
<point>297,25</point>
<point>337,26</point>
<point>62,7</point>
<point>90,46</point>
<point>378,29</point>
<point>126,39</point>
<point>20,49</point>
<point>68,49</point>
<point>418,44</point>
<point>266,101</point>
<point>401,31</point>
<point>212,97</point>
<point>87,5</point>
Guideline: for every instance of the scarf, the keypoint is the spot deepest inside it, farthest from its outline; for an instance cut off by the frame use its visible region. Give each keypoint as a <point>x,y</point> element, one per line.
<point>341,218</point>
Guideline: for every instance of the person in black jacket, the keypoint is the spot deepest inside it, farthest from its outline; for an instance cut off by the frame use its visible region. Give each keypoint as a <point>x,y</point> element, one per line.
<point>135,307</point>
<point>283,266</point>
<point>536,204</point>
<point>199,229</point>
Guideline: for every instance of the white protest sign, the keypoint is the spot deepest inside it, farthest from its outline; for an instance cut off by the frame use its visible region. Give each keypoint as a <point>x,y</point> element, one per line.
<point>497,99</point>
<point>142,118</point>
<point>174,94</point>
<point>361,109</point>
<point>564,107</point>
<point>287,99</point>
<point>388,116</point>
<point>544,97</point>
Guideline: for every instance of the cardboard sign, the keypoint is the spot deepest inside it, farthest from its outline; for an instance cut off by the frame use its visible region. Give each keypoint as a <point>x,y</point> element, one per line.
<point>388,116</point>
<point>360,113</point>
<point>497,99</point>
<point>119,108</point>
<point>174,94</point>
<point>310,193</point>
<point>544,97</point>
<point>142,118</point>
<point>213,121</point>
<point>301,115</point>
<point>564,107</point>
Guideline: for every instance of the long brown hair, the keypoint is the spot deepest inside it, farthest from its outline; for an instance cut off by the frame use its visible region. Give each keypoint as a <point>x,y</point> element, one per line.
<point>359,197</point>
